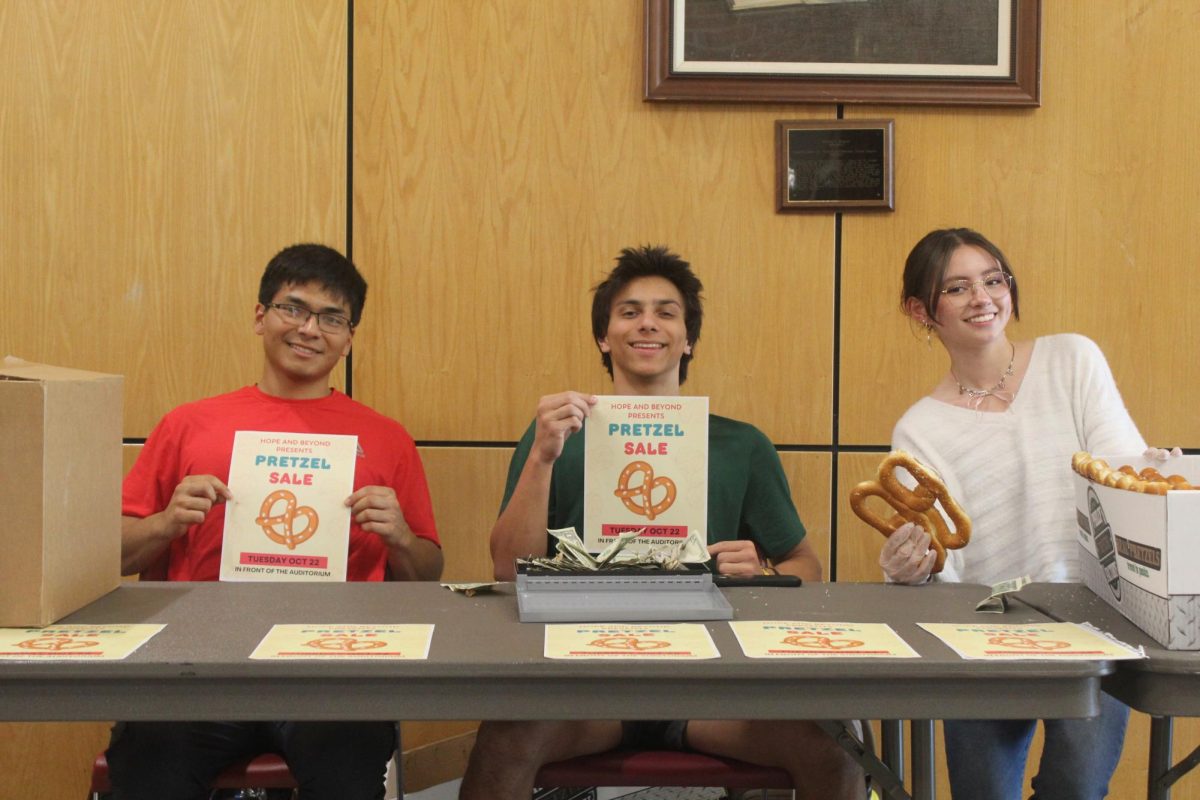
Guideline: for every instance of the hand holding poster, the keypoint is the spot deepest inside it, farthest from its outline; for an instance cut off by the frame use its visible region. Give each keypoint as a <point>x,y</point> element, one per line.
<point>288,520</point>
<point>645,466</point>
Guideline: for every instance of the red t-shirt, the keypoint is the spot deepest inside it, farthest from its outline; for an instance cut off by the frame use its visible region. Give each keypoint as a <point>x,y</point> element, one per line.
<point>197,439</point>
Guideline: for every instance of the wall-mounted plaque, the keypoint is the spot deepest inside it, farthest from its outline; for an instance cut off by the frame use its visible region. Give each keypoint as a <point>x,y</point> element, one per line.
<point>823,165</point>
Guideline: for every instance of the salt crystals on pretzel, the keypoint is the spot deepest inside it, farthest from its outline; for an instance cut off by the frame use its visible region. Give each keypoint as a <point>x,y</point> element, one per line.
<point>913,505</point>
<point>1148,481</point>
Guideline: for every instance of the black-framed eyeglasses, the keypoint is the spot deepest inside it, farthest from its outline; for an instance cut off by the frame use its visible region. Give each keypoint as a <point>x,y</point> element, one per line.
<point>996,284</point>
<point>299,315</point>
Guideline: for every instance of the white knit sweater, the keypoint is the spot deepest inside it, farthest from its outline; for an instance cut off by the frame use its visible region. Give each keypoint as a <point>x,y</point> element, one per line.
<point>1011,470</point>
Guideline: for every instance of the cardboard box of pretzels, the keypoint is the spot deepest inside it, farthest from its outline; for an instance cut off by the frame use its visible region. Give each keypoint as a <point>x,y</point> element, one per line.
<point>1139,542</point>
<point>60,447</point>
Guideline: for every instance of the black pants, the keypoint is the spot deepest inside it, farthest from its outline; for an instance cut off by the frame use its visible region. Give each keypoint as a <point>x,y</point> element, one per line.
<point>178,760</point>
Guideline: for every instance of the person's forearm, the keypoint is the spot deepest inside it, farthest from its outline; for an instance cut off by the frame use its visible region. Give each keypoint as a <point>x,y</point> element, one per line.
<point>521,529</point>
<point>143,540</point>
<point>416,560</point>
<point>806,569</point>
<point>801,561</point>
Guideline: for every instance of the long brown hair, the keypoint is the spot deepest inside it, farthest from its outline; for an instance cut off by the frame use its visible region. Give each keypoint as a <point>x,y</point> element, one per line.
<point>925,267</point>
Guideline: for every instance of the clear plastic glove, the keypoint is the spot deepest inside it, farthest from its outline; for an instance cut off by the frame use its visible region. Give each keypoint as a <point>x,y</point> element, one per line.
<point>1161,453</point>
<point>906,557</point>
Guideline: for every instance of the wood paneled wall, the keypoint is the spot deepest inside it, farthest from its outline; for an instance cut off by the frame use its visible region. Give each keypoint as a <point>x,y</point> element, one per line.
<point>503,157</point>
<point>157,154</point>
<point>1090,197</point>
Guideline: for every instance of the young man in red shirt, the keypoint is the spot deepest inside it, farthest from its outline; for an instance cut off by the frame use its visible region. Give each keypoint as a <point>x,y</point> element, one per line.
<point>309,304</point>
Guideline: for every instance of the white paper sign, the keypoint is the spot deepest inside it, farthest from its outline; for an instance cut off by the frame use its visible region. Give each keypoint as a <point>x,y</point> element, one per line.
<point>645,466</point>
<point>288,520</point>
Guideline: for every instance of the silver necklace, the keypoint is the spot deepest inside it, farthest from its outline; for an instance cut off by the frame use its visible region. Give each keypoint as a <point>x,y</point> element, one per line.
<point>976,396</point>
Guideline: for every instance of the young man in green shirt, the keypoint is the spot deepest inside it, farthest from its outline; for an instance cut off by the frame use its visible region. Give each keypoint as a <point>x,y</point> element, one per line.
<point>646,318</point>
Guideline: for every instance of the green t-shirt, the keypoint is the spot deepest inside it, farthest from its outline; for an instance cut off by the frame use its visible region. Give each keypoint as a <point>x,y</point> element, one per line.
<point>748,495</point>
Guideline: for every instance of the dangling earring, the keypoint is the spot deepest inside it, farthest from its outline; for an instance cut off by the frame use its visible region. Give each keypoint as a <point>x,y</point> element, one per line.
<point>929,335</point>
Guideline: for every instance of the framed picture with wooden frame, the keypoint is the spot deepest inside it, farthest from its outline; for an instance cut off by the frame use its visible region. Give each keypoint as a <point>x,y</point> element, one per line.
<point>834,165</point>
<point>929,52</point>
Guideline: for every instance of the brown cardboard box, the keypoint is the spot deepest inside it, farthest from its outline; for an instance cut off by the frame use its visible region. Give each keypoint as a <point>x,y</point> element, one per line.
<point>60,490</point>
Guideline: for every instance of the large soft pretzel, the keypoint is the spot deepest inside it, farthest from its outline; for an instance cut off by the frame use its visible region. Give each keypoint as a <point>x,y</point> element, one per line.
<point>1148,481</point>
<point>913,505</point>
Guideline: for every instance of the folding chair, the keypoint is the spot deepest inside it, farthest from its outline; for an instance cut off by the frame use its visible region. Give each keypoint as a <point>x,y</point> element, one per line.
<point>266,771</point>
<point>673,768</point>
<point>660,768</point>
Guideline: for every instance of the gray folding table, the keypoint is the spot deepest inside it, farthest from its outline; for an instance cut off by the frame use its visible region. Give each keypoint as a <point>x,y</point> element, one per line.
<point>485,664</point>
<point>1164,685</point>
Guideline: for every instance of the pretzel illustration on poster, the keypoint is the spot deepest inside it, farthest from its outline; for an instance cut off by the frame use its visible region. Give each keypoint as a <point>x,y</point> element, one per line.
<point>279,524</point>
<point>345,644</point>
<point>640,497</point>
<point>58,643</point>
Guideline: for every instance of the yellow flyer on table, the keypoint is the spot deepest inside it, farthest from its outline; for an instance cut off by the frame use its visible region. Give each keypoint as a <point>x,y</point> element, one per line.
<point>1051,641</point>
<point>623,642</point>
<point>343,642</point>
<point>288,520</point>
<point>645,466</point>
<point>820,640</point>
<point>74,642</point>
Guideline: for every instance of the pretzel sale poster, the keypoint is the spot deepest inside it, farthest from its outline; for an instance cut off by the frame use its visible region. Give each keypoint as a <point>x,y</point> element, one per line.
<point>75,642</point>
<point>645,467</point>
<point>391,642</point>
<point>288,520</point>
<point>625,642</point>
<point>1046,641</point>
<point>820,640</point>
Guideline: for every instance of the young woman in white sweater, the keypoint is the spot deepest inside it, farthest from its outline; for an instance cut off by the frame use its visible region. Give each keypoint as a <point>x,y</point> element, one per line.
<point>1000,429</point>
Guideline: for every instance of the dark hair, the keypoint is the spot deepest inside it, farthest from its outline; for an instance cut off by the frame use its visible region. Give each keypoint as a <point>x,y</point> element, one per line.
<point>925,268</point>
<point>315,263</point>
<point>649,262</point>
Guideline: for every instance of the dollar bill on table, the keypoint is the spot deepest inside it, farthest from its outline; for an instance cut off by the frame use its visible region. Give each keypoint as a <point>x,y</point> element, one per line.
<point>609,553</point>
<point>471,589</point>
<point>997,601</point>
<point>570,550</point>
<point>572,556</point>
<point>692,550</point>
